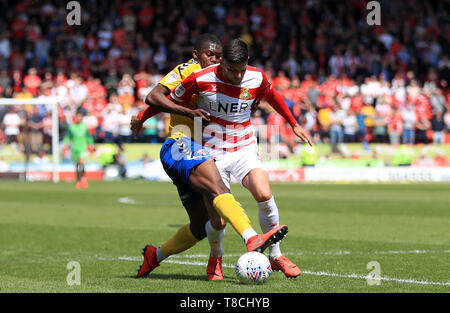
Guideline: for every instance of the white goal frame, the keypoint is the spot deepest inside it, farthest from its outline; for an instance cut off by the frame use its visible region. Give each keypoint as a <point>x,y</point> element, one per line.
<point>53,101</point>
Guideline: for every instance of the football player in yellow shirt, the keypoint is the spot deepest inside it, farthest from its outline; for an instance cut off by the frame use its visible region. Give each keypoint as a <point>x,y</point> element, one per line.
<point>195,175</point>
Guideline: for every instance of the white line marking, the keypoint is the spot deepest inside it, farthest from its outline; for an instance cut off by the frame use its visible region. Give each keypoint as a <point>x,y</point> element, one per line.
<point>173,260</point>
<point>127,200</point>
<point>385,278</point>
<point>336,253</point>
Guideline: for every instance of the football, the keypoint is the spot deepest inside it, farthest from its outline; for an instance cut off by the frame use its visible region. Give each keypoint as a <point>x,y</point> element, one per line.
<point>253,267</point>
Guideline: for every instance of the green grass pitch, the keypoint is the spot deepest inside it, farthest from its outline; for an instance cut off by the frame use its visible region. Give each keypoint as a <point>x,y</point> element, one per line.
<point>334,232</point>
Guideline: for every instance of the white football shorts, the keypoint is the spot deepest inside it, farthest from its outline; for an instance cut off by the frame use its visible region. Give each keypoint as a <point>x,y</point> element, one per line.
<point>236,165</point>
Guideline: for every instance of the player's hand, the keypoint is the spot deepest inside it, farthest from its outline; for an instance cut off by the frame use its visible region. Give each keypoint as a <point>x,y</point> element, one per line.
<point>91,149</point>
<point>204,115</point>
<point>135,125</point>
<point>301,133</point>
<point>65,150</point>
<point>254,107</point>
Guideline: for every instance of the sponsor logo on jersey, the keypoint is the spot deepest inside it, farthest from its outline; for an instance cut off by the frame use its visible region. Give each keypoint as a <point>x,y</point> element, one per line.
<point>234,107</point>
<point>172,77</point>
<point>179,91</point>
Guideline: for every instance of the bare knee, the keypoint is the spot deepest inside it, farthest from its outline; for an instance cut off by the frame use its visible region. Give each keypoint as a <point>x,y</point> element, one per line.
<point>218,223</point>
<point>263,195</point>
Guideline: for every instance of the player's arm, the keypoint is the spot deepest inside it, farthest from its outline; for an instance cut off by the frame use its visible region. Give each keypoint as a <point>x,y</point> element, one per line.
<point>277,102</point>
<point>67,140</point>
<point>179,95</point>
<point>137,121</point>
<point>90,141</point>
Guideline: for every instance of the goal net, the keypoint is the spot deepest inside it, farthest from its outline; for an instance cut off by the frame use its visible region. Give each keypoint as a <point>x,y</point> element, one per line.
<point>48,102</point>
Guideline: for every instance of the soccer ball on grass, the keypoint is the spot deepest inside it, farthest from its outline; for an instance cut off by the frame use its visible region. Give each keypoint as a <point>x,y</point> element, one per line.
<point>253,267</point>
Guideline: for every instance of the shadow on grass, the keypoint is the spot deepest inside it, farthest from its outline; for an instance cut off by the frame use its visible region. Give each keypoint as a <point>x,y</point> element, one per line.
<point>175,277</point>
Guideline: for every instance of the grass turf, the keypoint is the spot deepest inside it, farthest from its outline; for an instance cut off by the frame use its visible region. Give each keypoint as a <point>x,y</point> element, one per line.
<point>334,232</point>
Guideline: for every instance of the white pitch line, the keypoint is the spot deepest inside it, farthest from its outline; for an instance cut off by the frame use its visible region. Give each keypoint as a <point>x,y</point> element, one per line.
<point>304,272</point>
<point>337,253</point>
<point>127,200</point>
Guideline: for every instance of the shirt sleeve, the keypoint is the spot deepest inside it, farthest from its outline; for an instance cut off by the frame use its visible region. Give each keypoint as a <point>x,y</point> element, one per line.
<point>68,136</point>
<point>90,139</point>
<point>265,88</point>
<point>185,90</point>
<point>172,79</point>
<point>275,100</point>
<point>147,113</point>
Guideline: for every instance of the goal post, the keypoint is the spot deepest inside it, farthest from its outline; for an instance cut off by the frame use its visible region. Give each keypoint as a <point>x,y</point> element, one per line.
<point>53,101</point>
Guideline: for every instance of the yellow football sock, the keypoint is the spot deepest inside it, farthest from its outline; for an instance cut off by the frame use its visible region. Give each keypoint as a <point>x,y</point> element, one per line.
<point>181,241</point>
<point>231,211</point>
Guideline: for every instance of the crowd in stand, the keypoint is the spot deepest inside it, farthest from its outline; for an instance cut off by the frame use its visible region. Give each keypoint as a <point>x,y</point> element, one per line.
<point>344,80</point>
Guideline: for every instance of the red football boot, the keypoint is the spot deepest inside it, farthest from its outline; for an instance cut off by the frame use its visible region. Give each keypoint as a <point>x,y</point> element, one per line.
<point>283,264</point>
<point>214,269</point>
<point>150,261</point>
<point>259,243</point>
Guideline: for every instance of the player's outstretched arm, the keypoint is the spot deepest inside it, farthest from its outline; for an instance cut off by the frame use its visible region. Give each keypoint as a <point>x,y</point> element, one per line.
<point>277,102</point>
<point>301,133</point>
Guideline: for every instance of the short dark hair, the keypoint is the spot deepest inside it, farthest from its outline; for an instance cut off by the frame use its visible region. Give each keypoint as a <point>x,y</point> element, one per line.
<point>206,39</point>
<point>235,51</point>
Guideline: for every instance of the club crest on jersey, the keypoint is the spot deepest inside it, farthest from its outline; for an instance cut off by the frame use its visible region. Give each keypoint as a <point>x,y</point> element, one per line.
<point>245,94</point>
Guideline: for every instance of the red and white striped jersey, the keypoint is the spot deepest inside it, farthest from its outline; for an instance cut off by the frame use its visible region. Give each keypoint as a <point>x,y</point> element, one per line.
<point>230,128</point>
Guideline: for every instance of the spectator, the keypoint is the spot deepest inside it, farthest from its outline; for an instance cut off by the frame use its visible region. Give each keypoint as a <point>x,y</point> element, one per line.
<point>447,121</point>
<point>409,120</point>
<point>47,132</point>
<point>324,44</point>
<point>5,81</point>
<point>110,124</point>
<point>361,133</point>
<point>423,125</point>
<point>336,123</point>
<point>395,126</point>
<point>380,128</point>
<point>32,81</point>
<point>12,123</point>
<point>125,134</point>
<point>350,125</point>
<point>5,45</point>
<point>35,124</point>
<point>125,91</point>
<point>438,127</point>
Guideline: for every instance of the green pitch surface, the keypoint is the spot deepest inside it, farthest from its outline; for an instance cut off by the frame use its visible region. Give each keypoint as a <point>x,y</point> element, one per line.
<point>335,231</point>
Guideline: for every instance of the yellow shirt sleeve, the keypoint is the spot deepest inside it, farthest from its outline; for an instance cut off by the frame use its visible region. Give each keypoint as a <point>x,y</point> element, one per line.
<point>179,73</point>
<point>178,123</point>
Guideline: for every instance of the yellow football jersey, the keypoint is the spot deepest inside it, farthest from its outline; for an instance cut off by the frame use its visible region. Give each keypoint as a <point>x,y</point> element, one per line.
<point>179,124</point>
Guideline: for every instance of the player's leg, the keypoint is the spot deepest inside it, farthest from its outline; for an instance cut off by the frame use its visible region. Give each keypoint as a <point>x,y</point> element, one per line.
<point>215,232</point>
<point>185,237</point>
<point>248,169</point>
<point>78,158</point>
<point>186,160</point>
<point>206,178</point>
<point>189,234</point>
<point>82,171</point>
<point>257,182</point>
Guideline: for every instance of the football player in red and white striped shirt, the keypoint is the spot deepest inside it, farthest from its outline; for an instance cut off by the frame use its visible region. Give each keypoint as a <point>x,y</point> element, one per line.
<point>226,91</point>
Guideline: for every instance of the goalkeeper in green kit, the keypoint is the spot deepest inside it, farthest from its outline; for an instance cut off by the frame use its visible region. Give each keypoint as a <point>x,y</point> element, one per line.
<point>82,143</point>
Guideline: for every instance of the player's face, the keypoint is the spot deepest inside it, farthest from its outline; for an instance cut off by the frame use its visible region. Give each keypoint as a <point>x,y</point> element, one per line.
<point>78,118</point>
<point>209,54</point>
<point>234,72</point>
